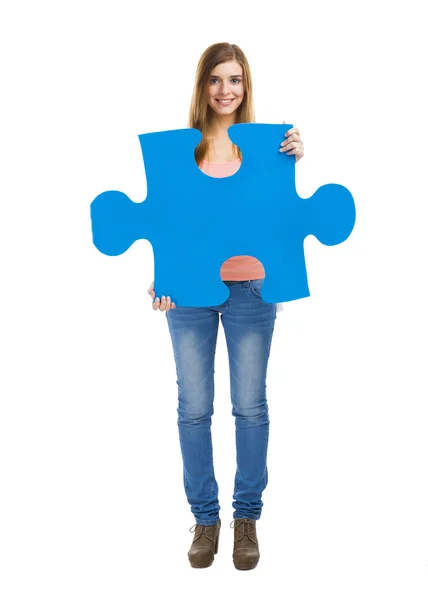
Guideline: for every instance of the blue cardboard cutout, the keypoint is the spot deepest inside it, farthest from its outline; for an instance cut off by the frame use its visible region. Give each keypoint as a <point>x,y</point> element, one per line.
<point>196,222</point>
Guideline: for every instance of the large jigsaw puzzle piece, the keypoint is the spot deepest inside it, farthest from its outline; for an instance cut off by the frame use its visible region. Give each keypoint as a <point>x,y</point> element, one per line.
<point>196,222</point>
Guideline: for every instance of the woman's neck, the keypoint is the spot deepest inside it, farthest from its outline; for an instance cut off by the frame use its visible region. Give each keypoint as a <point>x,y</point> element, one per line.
<point>220,147</point>
<point>221,150</point>
<point>219,127</point>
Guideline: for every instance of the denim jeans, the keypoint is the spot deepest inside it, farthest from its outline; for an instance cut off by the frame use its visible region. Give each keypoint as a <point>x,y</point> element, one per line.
<point>248,324</point>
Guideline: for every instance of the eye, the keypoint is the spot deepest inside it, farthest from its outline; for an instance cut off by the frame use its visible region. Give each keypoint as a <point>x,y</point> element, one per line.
<point>213,79</point>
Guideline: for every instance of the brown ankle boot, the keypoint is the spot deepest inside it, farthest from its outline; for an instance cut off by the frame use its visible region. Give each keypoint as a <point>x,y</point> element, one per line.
<point>204,545</point>
<point>246,546</point>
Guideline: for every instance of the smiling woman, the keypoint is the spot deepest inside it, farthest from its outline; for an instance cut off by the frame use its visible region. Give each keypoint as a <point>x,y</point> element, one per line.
<point>223,96</point>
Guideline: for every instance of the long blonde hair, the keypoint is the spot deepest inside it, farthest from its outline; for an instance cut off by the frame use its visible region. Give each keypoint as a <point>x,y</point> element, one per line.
<point>200,113</point>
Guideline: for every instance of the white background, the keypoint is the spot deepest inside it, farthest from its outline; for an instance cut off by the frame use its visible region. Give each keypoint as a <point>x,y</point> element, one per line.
<point>92,499</point>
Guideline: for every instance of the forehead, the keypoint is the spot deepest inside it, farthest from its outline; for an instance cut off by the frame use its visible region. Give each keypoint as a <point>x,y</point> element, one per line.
<point>227,68</point>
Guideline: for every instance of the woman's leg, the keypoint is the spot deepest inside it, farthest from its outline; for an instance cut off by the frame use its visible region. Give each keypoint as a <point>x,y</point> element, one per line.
<point>194,337</point>
<point>249,324</point>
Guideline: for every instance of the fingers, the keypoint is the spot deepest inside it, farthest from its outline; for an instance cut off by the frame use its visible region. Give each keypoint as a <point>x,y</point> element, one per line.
<point>288,146</point>
<point>292,140</point>
<point>166,303</point>
<point>293,143</point>
<point>293,130</point>
<point>163,304</point>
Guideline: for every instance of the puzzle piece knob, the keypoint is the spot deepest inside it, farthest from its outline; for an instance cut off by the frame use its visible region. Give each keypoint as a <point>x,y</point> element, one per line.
<point>331,215</point>
<point>116,222</point>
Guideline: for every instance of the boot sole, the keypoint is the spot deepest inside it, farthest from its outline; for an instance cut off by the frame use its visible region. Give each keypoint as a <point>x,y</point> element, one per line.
<point>244,567</point>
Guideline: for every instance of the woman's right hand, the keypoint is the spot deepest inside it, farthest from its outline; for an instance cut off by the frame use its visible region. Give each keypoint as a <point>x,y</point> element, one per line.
<point>163,304</point>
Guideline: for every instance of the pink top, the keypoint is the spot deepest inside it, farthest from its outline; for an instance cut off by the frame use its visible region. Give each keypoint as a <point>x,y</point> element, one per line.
<point>236,268</point>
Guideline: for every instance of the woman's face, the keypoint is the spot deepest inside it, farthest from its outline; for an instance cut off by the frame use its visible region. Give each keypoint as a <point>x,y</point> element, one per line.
<point>226,82</point>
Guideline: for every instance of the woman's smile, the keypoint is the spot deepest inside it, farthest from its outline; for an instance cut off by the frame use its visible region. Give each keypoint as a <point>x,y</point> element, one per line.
<point>225,102</point>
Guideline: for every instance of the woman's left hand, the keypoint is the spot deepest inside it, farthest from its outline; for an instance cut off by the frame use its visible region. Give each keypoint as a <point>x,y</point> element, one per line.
<point>293,143</point>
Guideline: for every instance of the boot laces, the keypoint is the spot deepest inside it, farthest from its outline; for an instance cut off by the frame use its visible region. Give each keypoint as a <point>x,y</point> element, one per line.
<point>201,529</point>
<point>246,527</point>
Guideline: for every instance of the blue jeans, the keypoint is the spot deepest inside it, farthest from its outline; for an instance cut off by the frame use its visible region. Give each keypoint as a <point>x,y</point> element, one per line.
<point>248,324</point>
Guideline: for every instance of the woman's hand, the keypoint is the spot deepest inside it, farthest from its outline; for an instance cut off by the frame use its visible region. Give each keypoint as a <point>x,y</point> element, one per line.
<point>164,304</point>
<point>293,143</point>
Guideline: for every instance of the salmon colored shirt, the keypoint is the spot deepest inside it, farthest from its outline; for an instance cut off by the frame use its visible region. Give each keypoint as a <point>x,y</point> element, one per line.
<point>236,268</point>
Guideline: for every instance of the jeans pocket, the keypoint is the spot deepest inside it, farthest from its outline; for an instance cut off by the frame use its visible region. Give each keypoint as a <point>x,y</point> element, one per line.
<point>254,289</point>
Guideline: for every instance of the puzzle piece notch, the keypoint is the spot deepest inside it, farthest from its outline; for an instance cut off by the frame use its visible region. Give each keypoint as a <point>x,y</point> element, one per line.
<point>165,175</point>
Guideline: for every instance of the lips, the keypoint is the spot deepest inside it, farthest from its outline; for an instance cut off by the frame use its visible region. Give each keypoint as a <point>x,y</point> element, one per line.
<point>226,102</point>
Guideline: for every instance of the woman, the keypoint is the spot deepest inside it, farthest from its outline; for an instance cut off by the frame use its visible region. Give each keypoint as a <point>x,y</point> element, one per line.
<point>223,96</point>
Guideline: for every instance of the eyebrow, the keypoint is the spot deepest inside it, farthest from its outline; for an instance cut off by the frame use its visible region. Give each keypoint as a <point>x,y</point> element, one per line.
<point>229,76</point>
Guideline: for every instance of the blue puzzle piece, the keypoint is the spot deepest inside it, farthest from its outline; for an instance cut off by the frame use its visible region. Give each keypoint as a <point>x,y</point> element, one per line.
<point>196,222</point>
